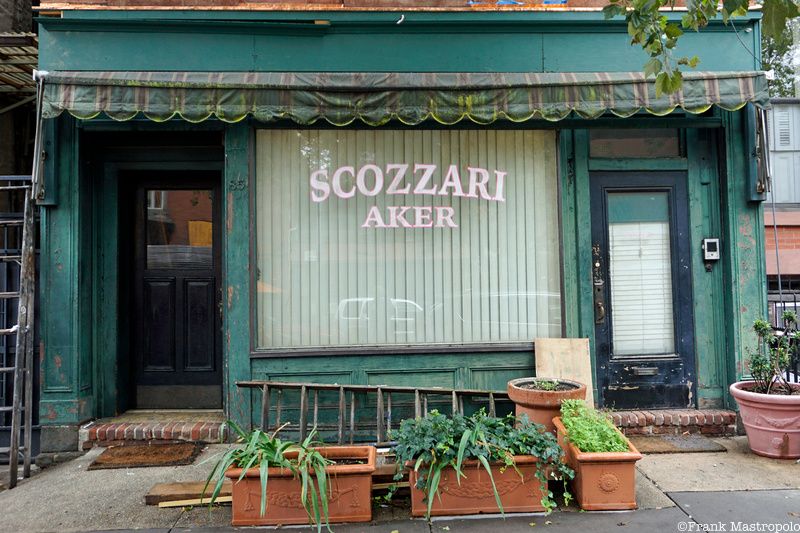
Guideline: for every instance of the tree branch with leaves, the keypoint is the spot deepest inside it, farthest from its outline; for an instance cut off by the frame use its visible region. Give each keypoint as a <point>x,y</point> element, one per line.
<point>650,28</point>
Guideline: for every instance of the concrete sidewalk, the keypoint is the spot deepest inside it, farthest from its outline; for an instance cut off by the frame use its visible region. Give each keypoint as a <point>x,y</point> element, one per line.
<point>696,492</point>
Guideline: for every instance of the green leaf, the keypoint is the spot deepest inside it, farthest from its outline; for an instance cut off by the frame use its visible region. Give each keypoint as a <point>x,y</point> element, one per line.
<point>776,12</point>
<point>488,468</point>
<point>672,31</point>
<point>653,67</point>
<point>263,473</point>
<point>610,11</point>
<point>433,490</point>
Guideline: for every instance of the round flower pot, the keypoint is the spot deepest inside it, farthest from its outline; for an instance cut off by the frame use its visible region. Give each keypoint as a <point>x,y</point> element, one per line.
<point>542,406</point>
<point>772,421</point>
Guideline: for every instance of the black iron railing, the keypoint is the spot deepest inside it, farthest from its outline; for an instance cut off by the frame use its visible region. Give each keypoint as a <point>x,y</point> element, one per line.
<point>777,304</point>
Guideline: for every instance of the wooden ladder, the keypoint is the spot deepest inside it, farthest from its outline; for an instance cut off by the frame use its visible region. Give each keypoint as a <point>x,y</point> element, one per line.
<point>418,399</point>
<point>21,407</point>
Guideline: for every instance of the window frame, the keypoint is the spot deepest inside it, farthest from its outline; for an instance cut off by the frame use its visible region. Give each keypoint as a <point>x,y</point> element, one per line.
<point>257,352</point>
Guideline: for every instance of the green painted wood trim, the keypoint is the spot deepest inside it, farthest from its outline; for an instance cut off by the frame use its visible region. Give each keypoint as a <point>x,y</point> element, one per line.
<point>475,17</point>
<point>638,164</point>
<point>57,412</point>
<point>707,287</point>
<point>65,292</point>
<point>744,268</point>
<point>107,337</point>
<point>502,42</point>
<point>235,270</point>
<point>570,301</point>
<point>584,307</point>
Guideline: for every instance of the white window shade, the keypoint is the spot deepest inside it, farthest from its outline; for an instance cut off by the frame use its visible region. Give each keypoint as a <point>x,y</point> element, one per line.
<point>481,265</point>
<point>640,270</point>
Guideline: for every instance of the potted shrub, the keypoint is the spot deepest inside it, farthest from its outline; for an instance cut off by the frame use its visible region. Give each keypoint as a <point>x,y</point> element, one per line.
<point>768,404</point>
<point>603,459</point>
<point>540,398</point>
<point>478,464</point>
<point>279,482</point>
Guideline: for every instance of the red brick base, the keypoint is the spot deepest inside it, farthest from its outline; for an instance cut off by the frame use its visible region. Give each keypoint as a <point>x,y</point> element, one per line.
<point>716,422</point>
<point>107,433</point>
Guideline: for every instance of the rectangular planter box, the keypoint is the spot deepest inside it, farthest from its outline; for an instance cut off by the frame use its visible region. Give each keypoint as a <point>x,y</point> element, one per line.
<point>603,481</point>
<point>475,495</point>
<point>349,499</point>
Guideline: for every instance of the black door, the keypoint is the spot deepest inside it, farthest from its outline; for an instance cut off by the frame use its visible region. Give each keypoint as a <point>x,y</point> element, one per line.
<point>641,272</point>
<point>177,341</point>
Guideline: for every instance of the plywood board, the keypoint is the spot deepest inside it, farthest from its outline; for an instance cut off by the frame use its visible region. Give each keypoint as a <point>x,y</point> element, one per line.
<point>187,490</point>
<point>196,501</point>
<point>566,359</point>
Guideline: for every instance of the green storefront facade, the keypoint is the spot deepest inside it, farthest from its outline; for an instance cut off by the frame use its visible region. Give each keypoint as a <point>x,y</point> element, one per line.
<point>297,264</point>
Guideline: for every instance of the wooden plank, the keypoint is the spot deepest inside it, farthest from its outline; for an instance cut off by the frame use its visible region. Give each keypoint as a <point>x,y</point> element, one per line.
<point>567,359</point>
<point>396,484</point>
<point>184,490</point>
<point>195,501</point>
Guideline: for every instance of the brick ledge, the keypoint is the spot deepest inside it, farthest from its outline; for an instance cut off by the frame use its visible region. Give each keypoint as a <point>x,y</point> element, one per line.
<point>107,433</point>
<point>712,422</point>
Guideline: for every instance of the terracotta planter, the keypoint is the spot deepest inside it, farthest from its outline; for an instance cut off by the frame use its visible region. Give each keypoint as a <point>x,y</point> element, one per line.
<point>603,481</point>
<point>772,421</point>
<point>475,495</point>
<point>349,499</point>
<point>542,406</point>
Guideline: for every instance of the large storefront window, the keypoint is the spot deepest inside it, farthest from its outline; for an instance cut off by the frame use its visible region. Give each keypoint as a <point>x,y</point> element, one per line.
<point>387,237</point>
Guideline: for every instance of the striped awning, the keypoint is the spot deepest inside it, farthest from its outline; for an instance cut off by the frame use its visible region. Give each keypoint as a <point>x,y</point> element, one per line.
<point>377,98</point>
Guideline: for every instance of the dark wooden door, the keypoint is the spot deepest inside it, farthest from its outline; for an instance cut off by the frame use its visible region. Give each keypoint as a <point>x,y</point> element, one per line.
<point>642,283</point>
<point>177,344</point>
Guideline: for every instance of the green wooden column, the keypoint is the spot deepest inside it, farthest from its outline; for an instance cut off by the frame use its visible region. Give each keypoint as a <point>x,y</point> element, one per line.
<point>236,271</point>
<point>66,289</point>
<point>576,238</point>
<point>707,285</point>
<point>744,294</point>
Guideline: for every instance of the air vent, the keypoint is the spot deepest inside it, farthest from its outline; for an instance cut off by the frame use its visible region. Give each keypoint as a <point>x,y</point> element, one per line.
<point>783,128</point>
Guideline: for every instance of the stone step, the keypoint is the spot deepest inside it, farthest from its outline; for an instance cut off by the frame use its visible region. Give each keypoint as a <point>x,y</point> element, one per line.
<point>711,422</point>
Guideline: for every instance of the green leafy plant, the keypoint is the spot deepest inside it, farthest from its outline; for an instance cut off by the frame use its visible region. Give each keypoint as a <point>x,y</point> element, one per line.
<point>769,364</point>
<point>436,442</point>
<point>257,449</point>
<point>590,430</point>
<point>650,28</point>
<point>546,384</point>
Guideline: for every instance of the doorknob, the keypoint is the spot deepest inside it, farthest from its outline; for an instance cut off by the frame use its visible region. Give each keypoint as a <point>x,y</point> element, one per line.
<point>599,312</point>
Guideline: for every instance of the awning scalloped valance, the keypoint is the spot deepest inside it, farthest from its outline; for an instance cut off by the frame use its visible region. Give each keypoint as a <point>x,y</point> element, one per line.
<point>378,98</point>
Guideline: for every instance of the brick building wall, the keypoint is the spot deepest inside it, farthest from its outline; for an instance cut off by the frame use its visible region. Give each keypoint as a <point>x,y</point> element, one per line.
<point>788,226</point>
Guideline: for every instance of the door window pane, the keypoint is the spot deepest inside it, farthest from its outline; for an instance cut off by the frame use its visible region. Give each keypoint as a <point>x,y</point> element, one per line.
<point>649,143</point>
<point>179,228</point>
<point>640,273</point>
<point>386,237</point>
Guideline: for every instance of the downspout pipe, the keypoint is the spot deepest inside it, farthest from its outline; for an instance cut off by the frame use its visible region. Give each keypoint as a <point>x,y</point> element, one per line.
<point>38,151</point>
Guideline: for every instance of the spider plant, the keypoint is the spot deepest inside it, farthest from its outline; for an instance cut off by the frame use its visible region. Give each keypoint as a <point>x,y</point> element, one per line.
<point>258,449</point>
<point>437,442</point>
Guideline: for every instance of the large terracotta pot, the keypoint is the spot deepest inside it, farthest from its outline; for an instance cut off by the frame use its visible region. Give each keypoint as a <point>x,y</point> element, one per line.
<point>772,421</point>
<point>474,494</point>
<point>349,499</point>
<point>603,481</point>
<point>542,406</point>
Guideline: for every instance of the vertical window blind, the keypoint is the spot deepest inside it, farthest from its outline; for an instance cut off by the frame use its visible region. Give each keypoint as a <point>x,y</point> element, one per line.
<point>463,249</point>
